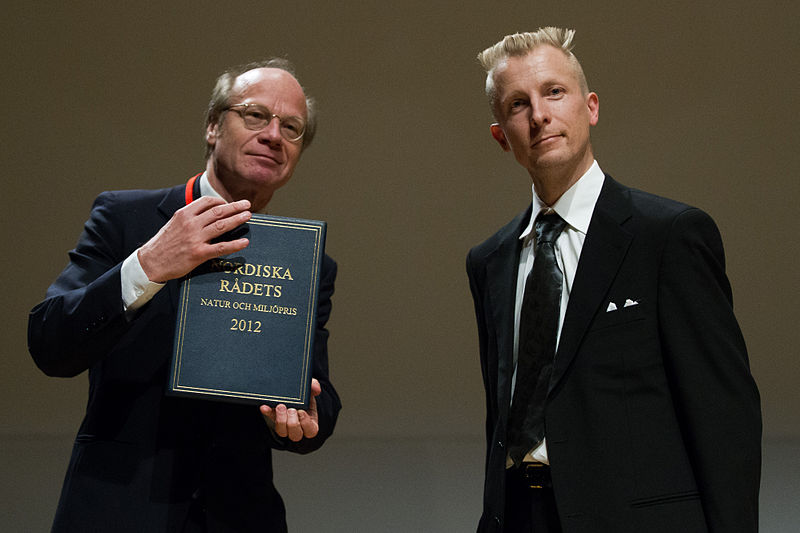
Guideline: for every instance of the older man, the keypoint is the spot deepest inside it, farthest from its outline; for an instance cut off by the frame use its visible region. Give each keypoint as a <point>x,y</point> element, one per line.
<point>143,461</point>
<point>618,392</point>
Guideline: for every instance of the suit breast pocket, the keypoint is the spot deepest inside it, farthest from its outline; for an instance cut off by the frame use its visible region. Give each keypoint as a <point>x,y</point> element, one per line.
<point>617,314</point>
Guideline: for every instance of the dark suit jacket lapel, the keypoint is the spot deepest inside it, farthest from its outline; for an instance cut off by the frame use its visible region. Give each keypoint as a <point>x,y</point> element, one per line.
<point>501,269</point>
<point>603,250</point>
<point>172,201</point>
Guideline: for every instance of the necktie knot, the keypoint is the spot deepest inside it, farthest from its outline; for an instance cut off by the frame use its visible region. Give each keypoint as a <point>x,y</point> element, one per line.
<point>548,228</point>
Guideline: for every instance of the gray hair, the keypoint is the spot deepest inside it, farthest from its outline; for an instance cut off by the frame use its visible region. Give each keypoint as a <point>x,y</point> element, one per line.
<point>220,96</point>
<point>521,44</point>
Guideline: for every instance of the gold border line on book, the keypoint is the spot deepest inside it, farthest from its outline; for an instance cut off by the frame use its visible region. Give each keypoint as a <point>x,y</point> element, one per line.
<point>231,394</point>
<point>184,303</point>
<point>312,304</point>
<point>283,224</point>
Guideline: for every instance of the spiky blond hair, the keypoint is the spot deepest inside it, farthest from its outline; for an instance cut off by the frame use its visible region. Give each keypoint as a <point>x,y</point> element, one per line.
<point>521,44</point>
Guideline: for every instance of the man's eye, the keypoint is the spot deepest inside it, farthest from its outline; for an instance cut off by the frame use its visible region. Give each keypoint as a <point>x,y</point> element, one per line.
<point>256,114</point>
<point>556,91</point>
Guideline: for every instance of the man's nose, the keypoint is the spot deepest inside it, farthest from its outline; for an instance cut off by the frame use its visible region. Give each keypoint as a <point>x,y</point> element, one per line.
<point>272,131</point>
<point>540,113</point>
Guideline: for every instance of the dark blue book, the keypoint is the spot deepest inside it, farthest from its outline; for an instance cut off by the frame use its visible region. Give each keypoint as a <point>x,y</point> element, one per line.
<point>245,327</point>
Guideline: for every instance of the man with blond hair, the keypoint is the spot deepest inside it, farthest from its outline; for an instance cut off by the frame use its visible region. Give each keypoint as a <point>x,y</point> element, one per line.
<point>618,391</point>
<point>144,461</point>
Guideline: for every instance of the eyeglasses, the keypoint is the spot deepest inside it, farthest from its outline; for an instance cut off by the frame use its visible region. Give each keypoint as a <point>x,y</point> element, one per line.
<point>256,117</point>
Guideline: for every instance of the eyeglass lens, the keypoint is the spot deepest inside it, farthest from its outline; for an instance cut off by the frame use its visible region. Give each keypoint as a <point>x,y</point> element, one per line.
<point>257,117</point>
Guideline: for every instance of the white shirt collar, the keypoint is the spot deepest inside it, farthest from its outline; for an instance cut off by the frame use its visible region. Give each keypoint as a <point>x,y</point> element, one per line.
<point>575,206</point>
<point>206,189</point>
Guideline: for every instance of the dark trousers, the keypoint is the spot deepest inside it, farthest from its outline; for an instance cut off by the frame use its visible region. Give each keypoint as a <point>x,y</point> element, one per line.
<point>530,510</point>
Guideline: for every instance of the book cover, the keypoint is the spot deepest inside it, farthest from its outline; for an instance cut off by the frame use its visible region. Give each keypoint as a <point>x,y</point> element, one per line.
<point>245,324</point>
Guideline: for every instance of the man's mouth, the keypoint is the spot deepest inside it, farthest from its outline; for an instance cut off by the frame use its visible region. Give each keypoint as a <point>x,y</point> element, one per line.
<point>268,157</point>
<point>545,139</point>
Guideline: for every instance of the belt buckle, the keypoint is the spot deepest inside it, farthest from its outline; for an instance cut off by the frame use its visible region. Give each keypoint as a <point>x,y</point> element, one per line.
<point>536,475</point>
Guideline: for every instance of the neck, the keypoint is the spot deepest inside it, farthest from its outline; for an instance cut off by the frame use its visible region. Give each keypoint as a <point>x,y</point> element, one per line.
<point>232,191</point>
<point>550,183</point>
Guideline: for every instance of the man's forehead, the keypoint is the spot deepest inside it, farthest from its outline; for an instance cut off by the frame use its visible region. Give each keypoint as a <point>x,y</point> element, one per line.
<point>277,82</point>
<point>541,60</point>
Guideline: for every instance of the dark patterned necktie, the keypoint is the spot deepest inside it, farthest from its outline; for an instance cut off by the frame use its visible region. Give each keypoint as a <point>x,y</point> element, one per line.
<point>538,329</point>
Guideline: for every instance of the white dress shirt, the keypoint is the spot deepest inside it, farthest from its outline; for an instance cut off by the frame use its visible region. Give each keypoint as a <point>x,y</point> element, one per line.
<point>575,206</point>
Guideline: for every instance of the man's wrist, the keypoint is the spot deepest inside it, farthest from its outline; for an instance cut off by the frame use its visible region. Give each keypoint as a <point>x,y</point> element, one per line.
<point>137,289</point>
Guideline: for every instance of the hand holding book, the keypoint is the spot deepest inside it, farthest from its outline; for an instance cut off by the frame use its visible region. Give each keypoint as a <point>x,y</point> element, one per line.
<point>295,424</point>
<point>189,238</point>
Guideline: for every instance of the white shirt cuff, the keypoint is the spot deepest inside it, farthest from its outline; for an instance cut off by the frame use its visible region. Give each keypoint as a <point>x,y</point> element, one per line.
<point>137,289</point>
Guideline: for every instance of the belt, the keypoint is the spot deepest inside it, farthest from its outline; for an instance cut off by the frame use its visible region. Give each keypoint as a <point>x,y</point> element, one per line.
<point>536,475</point>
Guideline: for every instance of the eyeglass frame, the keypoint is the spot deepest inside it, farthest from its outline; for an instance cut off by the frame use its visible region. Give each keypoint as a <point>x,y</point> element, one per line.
<point>269,116</point>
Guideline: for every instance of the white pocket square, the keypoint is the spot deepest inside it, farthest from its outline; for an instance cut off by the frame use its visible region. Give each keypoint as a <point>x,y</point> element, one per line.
<point>630,302</point>
<point>611,307</point>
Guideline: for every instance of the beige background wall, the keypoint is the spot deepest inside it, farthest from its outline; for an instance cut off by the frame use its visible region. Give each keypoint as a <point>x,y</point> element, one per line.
<point>697,102</point>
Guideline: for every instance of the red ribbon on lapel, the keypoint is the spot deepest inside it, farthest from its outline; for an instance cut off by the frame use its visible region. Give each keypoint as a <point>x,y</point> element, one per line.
<point>189,194</point>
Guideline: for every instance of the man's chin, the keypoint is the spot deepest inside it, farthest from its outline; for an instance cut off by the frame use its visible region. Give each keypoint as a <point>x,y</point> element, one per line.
<point>265,173</point>
<point>269,180</point>
<point>547,161</point>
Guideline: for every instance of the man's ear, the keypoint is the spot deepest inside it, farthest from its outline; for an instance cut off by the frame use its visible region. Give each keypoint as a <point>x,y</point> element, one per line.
<point>499,136</point>
<point>593,105</point>
<point>211,134</point>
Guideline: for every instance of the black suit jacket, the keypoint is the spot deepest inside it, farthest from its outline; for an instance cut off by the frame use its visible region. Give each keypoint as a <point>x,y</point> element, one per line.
<point>652,418</point>
<point>141,458</point>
